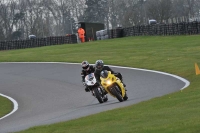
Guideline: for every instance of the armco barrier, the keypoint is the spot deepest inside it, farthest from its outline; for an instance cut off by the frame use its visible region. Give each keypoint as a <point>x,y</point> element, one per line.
<point>188,28</point>
<point>163,29</point>
<point>38,42</point>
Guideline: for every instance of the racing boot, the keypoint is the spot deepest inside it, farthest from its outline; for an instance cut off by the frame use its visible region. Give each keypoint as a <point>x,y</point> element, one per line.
<point>125,97</point>
<point>87,89</point>
<point>125,88</point>
<point>124,85</point>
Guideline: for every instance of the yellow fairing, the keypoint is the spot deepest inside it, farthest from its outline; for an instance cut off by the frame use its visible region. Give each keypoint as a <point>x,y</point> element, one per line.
<point>109,81</point>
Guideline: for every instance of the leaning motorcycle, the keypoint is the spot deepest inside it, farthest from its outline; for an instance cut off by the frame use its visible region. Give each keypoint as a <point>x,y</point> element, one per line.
<point>95,88</point>
<point>114,86</point>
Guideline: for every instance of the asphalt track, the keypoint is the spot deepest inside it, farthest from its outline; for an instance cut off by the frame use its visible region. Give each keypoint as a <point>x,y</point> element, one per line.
<point>52,92</point>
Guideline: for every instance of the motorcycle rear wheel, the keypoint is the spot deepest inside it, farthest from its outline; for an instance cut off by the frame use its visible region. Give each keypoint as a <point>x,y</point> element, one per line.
<point>98,95</point>
<point>105,99</point>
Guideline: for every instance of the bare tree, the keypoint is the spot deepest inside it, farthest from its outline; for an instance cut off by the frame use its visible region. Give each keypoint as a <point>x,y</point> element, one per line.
<point>20,18</point>
<point>159,9</point>
<point>8,18</point>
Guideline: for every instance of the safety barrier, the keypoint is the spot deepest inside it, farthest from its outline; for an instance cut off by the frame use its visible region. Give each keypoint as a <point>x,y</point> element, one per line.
<point>37,42</point>
<point>189,28</point>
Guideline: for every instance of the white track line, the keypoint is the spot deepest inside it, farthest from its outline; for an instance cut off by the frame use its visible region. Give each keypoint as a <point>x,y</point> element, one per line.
<point>187,83</point>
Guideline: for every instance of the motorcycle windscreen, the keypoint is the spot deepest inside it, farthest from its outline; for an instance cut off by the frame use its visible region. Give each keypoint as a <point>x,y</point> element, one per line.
<point>90,77</point>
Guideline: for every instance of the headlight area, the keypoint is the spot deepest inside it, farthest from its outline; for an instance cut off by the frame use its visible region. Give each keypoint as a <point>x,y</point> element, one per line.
<point>107,83</point>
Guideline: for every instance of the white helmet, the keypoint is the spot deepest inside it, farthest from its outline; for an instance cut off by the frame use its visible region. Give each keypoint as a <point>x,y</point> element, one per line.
<point>85,65</point>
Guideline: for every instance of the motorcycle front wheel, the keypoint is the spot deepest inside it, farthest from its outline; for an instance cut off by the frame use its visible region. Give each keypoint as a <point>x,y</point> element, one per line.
<point>116,91</point>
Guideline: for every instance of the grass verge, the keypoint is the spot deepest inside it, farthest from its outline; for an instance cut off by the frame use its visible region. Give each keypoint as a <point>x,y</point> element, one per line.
<point>176,112</point>
<point>5,106</point>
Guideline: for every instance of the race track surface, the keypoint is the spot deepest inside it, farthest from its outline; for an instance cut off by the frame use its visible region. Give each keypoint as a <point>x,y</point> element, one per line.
<point>52,92</point>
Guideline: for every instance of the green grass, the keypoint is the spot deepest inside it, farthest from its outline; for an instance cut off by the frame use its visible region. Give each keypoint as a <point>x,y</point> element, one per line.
<point>173,113</point>
<point>5,106</point>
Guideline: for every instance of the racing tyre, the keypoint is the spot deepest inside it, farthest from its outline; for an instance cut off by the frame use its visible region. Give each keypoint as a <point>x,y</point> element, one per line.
<point>116,91</point>
<point>98,95</point>
<point>105,99</point>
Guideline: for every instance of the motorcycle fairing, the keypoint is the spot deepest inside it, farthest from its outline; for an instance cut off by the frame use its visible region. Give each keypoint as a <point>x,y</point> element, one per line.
<point>110,81</point>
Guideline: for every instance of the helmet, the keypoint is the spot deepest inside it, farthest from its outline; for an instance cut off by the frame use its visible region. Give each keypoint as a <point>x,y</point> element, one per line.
<point>85,65</point>
<point>104,74</point>
<point>99,64</point>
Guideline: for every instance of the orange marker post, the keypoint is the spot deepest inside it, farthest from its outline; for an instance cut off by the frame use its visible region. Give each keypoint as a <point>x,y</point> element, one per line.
<point>197,69</point>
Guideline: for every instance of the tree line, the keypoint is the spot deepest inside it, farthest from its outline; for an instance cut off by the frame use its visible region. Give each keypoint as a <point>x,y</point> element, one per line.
<point>43,18</point>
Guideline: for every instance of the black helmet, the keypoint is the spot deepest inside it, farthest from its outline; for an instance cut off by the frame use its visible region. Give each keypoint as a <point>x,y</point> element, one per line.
<point>85,65</point>
<point>99,64</point>
<point>104,74</point>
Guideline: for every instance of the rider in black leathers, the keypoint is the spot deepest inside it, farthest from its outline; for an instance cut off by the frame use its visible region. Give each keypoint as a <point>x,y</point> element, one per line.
<point>86,69</point>
<point>99,66</point>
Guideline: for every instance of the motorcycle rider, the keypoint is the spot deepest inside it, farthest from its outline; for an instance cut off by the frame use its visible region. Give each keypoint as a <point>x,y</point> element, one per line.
<point>86,69</point>
<point>99,66</point>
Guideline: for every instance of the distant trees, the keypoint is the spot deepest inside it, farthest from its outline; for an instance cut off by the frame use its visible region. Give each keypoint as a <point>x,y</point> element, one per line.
<point>159,9</point>
<point>20,18</point>
<point>95,11</point>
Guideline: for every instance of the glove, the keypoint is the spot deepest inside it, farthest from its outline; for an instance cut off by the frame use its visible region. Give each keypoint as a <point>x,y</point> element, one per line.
<point>84,84</point>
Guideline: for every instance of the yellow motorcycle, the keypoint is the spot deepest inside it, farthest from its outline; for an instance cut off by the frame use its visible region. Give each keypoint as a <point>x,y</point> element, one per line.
<point>113,85</point>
